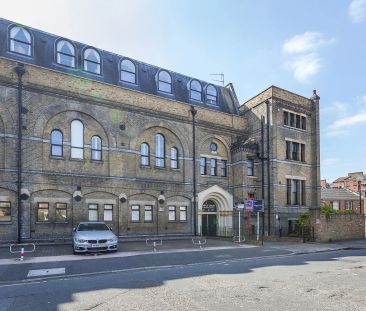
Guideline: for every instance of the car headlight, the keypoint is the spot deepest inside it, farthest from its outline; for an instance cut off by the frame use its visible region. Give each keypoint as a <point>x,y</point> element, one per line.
<point>112,240</point>
<point>80,240</point>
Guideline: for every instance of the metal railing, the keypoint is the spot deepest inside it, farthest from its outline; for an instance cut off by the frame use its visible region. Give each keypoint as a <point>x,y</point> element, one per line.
<point>154,243</point>
<point>22,249</point>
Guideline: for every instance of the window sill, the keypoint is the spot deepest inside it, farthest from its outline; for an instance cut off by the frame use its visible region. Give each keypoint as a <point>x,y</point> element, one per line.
<point>148,222</point>
<point>135,221</point>
<point>61,222</point>
<point>296,161</point>
<point>97,161</point>
<point>213,176</point>
<point>6,223</point>
<point>42,222</point>
<point>77,160</point>
<point>252,177</point>
<point>160,167</point>
<point>183,221</point>
<point>294,128</point>
<point>172,222</point>
<point>57,158</point>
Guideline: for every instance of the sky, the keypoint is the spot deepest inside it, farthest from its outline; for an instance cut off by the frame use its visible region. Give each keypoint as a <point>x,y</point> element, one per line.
<point>296,45</point>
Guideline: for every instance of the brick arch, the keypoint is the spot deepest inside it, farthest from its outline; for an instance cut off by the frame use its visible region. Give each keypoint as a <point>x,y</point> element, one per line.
<point>50,189</point>
<point>219,138</point>
<point>149,126</point>
<point>7,122</point>
<point>46,114</point>
<point>136,195</point>
<point>89,194</point>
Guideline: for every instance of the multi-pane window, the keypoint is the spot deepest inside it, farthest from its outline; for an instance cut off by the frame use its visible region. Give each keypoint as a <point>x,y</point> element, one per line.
<point>295,151</point>
<point>20,41</point>
<point>5,211</point>
<point>145,154</point>
<point>172,214</point>
<point>135,213</point>
<point>303,123</point>
<point>160,150</point>
<point>92,61</point>
<point>65,53</point>
<point>294,120</point>
<point>335,205</point>
<point>148,214</point>
<point>213,167</point>
<point>203,170</point>
<point>295,192</point>
<point>164,82</point>
<point>93,212</point>
<point>211,95</point>
<point>349,205</point>
<point>108,212</point>
<point>223,168</point>
<point>56,143</point>
<point>183,213</point>
<point>61,212</point>
<point>43,212</point>
<point>96,148</point>
<point>250,167</point>
<point>128,71</point>
<point>196,90</point>
<point>77,139</point>
<point>173,157</point>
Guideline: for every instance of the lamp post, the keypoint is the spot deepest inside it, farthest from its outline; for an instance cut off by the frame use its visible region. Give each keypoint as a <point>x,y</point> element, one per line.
<point>359,180</point>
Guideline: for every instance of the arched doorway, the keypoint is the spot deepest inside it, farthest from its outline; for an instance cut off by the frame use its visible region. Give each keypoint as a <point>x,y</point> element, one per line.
<point>215,210</point>
<point>209,218</point>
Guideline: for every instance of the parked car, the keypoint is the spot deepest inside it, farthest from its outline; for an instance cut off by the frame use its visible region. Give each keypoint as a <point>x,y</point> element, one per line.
<point>93,237</point>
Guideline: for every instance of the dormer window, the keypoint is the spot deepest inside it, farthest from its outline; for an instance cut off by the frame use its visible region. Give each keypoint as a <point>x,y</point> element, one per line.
<point>65,53</point>
<point>20,41</point>
<point>196,90</point>
<point>164,82</point>
<point>92,61</point>
<point>211,95</point>
<point>128,71</point>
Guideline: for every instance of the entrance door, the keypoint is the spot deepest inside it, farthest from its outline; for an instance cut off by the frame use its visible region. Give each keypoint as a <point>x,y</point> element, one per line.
<point>209,225</point>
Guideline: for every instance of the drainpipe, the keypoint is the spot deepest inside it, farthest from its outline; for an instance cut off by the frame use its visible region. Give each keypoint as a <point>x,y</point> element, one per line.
<point>19,69</point>
<point>268,168</point>
<point>194,112</point>
<point>262,160</point>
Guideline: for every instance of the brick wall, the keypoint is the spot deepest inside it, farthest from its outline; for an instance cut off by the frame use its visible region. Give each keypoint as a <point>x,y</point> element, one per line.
<point>339,227</point>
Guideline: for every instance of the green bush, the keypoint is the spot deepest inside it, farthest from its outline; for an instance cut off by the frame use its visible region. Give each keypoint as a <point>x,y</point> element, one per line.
<point>327,209</point>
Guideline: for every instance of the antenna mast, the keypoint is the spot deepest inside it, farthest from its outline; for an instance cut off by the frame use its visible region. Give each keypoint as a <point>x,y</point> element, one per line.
<point>221,77</point>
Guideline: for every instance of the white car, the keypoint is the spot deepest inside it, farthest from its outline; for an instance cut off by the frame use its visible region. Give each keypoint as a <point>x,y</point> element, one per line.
<point>93,237</point>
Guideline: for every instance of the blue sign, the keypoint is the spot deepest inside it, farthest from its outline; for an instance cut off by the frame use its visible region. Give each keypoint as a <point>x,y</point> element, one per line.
<point>248,205</point>
<point>258,206</point>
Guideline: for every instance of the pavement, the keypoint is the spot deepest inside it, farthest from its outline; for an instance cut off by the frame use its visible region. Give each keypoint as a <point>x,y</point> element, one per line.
<point>131,248</point>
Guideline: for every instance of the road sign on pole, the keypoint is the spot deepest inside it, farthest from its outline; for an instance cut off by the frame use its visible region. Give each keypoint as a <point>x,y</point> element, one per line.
<point>258,206</point>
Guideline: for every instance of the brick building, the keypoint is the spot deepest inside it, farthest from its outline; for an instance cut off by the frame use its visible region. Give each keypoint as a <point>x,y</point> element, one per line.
<point>343,200</point>
<point>351,182</point>
<point>86,134</point>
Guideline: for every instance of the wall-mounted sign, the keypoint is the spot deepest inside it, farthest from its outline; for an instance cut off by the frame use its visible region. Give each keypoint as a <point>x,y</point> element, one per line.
<point>209,207</point>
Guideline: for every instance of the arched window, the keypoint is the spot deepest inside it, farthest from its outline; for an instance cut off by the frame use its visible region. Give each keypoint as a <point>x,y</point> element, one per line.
<point>92,61</point>
<point>165,81</point>
<point>56,143</point>
<point>128,71</point>
<point>196,90</point>
<point>77,140</point>
<point>174,157</point>
<point>211,95</point>
<point>96,147</point>
<point>20,41</point>
<point>145,154</point>
<point>160,150</point>
<point>65,53</point>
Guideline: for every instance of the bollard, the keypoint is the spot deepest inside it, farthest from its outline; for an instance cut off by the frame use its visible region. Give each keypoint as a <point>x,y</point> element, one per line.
<point>14,249</point>
<point>22,254</point>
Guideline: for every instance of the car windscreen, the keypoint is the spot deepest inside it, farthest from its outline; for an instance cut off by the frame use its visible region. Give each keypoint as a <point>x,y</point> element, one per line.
<point>92,227</point>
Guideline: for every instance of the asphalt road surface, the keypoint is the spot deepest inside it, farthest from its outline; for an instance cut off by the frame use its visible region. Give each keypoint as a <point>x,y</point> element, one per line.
<point>207,280</point>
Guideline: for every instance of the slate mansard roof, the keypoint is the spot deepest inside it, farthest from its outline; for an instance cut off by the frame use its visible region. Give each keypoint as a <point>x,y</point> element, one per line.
<point>44,55</point>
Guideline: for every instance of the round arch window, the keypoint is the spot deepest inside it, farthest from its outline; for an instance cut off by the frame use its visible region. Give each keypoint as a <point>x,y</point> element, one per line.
<point>213,147</point>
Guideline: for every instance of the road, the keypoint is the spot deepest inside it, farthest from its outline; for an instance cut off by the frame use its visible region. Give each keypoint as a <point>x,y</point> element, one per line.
<point>237,279</point>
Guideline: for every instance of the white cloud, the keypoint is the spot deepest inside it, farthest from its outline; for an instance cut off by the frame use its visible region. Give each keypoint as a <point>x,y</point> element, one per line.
<point>349,121</point>
<point>357,10</point>
<point>302,54</point>
<point>306,42</point>
<point>305,66</point>
<point>364,98</point>
<point>336,107</point>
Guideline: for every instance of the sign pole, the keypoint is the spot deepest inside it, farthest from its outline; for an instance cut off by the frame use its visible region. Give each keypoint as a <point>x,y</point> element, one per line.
<point>239,227</point>
<point>257,226</point>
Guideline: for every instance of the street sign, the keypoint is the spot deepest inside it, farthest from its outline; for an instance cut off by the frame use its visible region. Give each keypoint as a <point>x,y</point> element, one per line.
<point>248,205</point>
<point>257,206</point>
<point>241,206</point>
